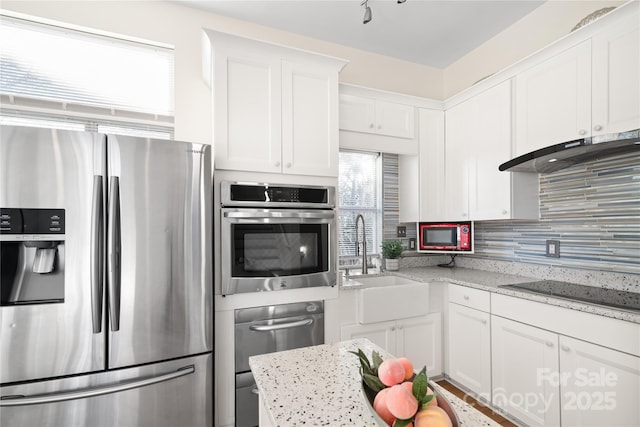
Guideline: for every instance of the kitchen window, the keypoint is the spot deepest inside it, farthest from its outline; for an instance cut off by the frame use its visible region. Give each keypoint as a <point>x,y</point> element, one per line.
<point>359,191</point>
<point>57,77</point>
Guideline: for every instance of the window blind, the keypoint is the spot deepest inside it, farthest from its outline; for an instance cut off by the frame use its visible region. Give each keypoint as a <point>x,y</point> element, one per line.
<point>359,193</point>
<point>65,73</point>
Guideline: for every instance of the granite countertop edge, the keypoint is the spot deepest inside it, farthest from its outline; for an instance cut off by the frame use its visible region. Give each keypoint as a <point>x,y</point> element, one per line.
<point>492,282</point>
<point>321,385</point>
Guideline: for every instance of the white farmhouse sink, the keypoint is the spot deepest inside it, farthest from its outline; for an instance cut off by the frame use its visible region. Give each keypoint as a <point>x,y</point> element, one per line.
<point>391,298</point>
<point>383,281</point>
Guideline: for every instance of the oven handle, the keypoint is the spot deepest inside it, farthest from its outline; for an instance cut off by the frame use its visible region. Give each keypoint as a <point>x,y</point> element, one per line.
<point>267,328</point>
<point>280,214</point>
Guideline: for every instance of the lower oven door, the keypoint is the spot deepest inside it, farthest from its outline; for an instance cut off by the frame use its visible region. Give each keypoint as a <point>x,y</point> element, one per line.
<point>247,404</point>
<point>260,330</point>
<point>277,249</point>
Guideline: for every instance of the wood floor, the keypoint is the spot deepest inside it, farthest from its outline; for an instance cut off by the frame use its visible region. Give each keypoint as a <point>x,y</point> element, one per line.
<point>473,402</point>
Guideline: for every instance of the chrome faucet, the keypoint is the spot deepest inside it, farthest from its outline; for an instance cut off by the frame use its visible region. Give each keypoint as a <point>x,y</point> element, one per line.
<point>364,244</point>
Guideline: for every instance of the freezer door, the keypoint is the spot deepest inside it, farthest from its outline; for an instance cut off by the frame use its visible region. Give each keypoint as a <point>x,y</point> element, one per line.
<point>159,250</point>
<point>169,394</point>
<point>55,170</point>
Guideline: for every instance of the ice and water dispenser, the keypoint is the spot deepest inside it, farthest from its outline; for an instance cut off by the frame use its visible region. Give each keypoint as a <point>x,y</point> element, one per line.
<point>32,256</point>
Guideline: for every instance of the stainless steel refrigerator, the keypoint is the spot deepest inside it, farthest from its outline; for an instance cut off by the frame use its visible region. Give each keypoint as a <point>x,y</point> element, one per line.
<point>106,313</point>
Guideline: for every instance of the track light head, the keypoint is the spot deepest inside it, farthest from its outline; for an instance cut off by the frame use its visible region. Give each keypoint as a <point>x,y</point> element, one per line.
<point>401,1</point>
<point>367,15</point>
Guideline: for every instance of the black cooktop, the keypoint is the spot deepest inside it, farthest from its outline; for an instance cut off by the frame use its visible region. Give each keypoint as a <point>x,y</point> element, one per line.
<point>609,297</point>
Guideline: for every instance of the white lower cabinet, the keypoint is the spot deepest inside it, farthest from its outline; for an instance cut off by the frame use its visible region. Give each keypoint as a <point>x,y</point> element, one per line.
<point>546,379</point>
<point>524,362</point>
<point>417,338</point>
<point>470,349</point>
<point>599,386</point>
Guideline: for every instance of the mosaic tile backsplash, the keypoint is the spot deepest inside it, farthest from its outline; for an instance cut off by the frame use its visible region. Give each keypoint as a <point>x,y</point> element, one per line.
<point>592,209</point>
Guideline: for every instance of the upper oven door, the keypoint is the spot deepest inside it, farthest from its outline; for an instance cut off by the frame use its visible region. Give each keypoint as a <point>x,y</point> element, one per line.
<point>276,249</point>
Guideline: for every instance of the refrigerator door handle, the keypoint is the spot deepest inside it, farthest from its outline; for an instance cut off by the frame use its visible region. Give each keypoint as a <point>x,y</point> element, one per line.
<point>92,392</point>
<point>97,244</point>
<point>114,256</point>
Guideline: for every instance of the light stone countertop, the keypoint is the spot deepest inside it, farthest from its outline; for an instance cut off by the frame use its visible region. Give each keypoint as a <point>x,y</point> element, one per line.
<point>491,281</point>
<point>321,386</point>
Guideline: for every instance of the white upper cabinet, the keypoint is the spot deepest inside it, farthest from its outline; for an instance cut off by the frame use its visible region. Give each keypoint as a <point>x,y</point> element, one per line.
<point>309,119</point>
<point>553,100</point>
<point>421,177</point>
<point>368,115</point>
<point>275,109</point>
<point>478,139</point>
<point>616,77</point>
<point>589,89</point>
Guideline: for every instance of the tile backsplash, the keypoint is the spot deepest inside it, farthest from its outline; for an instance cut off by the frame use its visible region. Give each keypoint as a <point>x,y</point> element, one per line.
<point>592,209</point>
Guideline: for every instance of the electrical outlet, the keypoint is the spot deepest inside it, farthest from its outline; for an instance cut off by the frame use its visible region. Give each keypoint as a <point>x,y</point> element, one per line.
<point>553,248</point>
<point>401,231</point>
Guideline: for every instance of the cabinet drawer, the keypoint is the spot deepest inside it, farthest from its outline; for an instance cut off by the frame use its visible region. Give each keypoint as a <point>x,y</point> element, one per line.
<point>469,297</point>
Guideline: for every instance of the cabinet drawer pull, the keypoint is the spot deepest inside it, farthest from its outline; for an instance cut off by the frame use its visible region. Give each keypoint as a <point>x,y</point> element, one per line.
<point>582,132</point>
<point>277,164</point>
<point>548,343</point>
<point>484,321</point>
<point>466,297</point>
<point>597,128</point>
<point>565,348</point>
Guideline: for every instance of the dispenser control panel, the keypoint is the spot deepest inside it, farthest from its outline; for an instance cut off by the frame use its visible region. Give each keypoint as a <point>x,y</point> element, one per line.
<point>31,221</point>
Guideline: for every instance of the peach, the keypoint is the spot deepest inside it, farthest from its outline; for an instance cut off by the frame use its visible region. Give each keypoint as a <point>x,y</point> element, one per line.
<point>401,403</point>
<point>408,385</point>
<point>434,401</point>
<point>433,416</point>
<point>391,372</point>
<point>380,406</point>
<point>408,367</point>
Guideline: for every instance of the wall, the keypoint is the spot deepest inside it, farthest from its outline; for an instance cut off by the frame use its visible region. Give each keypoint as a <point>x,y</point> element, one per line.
<point>546,24</point>
<point>181,27</point>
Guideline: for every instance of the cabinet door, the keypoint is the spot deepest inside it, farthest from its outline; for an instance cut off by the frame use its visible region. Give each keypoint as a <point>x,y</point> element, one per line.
<point>469,349</point>
<point>395,119</point>
<point>616,85</point>
<point>309,119</point>
<point>383,334</point>
<point>357,114</point>
<point>490,189</point>
<point>247,98</point>
<point>553,100</point>
<point>431,196</point>
<point>600,386</point>
<point>420,340</point>
<point>458,133</point>
<point>525,372</point>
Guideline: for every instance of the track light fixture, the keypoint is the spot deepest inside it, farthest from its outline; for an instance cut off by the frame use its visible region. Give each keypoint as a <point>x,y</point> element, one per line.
<point>367,11</point>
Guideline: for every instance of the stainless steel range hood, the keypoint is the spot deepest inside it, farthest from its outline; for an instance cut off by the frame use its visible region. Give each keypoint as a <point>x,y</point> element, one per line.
<point>566,154</point>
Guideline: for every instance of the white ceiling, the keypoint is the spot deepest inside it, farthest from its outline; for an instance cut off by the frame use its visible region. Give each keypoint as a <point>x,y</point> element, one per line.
<point>429,32</point>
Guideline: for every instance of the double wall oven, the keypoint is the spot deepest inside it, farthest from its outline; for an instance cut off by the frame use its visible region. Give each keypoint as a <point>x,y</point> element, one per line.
<point>277,237</point>
<point>274,237</point>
